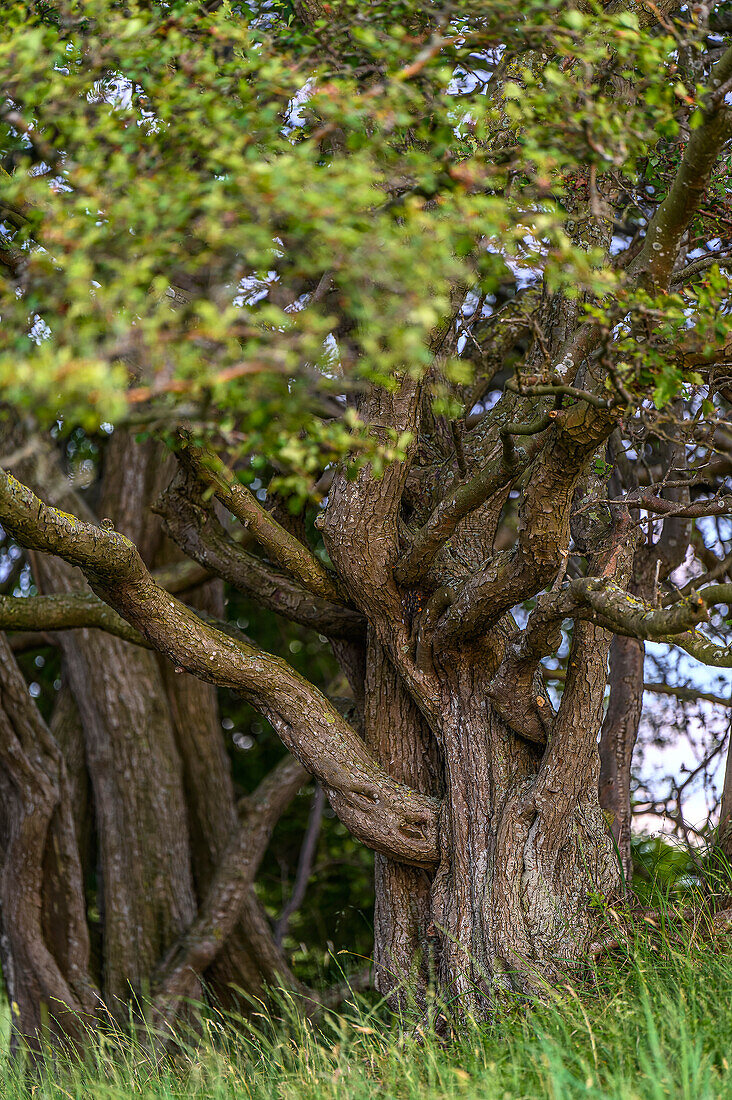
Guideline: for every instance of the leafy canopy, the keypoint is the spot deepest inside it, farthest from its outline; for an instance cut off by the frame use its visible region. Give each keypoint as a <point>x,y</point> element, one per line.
<point>235,219</point>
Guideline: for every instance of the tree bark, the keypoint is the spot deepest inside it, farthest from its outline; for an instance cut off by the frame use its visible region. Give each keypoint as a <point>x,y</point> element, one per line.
<point>617,741</point>
<point>44,941</point>
<point>403,744</point>
<point>146,896</point>
<point>247,959</point>
<point>724,831</point>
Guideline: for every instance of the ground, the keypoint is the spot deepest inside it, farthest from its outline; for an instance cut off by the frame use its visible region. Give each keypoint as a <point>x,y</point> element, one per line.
<point>651,1020</point>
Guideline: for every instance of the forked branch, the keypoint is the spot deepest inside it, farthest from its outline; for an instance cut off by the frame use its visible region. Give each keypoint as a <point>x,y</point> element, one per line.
<point>281,547</point>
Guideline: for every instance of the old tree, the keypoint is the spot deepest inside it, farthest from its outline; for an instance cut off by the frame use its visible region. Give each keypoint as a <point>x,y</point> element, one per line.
<point>410,324</point>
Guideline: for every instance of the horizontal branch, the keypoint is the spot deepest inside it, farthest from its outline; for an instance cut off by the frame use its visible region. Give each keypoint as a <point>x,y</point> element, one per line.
<point>685,694</point>
<point>65,612</point>
<point>702,264</point>
<point>384,814</point>
<point>658,506</point>
<point>624,613</point>
<point>700,647</point>
<point>83,611</point>
<point>558,389</point>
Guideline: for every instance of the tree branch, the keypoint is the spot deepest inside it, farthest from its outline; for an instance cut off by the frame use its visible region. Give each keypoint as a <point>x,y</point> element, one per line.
<point>655,262</point>
<point>658,506</point>
<point>72,611</point>
<point>191,523</point>
<point>281,547</point>
<point>383,813</point>
<point>65,612</point>
<point>464,498</point>
<point>511,576</point>
<point>697,266</point>
<point>221,909</point>
<point>700,647</point>
<point>685,694</point>
<point>623,613</point>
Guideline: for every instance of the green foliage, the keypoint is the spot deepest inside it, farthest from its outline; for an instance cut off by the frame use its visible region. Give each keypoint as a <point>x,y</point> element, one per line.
<point>651,329</point>
<point>219,223</point>
<point>663,871</point>
<point>652,1021</point>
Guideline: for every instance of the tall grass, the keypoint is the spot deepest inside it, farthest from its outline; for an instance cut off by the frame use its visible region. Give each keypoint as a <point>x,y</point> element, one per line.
<point>652,1020</point>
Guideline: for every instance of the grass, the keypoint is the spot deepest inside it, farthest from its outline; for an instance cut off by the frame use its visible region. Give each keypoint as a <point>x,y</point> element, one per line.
<point>652,1021</point>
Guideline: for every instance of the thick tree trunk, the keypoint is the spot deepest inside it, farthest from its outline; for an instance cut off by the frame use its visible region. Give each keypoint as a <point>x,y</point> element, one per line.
<point>44,942</point>
<point>525,842</point>
<point>403,744</point>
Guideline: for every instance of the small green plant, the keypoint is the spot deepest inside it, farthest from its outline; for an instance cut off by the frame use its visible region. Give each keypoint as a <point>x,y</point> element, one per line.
<point>663,870</point>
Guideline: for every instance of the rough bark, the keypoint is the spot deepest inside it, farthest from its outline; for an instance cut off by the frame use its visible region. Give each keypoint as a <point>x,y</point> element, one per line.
<point>44,941</point>
<point>617,741</point>
<point>136,774</point>
<point>404,745</point>
<point>245,958</point>
<point>144,890</point>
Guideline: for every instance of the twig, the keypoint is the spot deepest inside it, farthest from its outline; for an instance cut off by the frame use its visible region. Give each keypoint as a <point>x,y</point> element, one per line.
<point>304,864</point>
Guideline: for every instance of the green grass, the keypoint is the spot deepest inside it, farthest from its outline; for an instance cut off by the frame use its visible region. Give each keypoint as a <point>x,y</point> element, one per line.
<point>652,1021</point>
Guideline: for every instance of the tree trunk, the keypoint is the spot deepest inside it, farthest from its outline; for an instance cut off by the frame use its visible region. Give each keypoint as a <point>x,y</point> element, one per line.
<point>249,960</point>
<point>403,744</point>
<point>44,942</point>
<point>617,741</point>
<point>148,770</point>
<point>145,897</point>
<point>524,839</point>
<point>724,832</point>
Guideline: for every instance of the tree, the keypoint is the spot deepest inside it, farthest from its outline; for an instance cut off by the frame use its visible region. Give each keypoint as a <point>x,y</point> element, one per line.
<point>412,327</point>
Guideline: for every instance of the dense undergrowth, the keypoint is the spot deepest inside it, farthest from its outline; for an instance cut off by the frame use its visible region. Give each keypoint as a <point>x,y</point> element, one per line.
<point>650,1019</point>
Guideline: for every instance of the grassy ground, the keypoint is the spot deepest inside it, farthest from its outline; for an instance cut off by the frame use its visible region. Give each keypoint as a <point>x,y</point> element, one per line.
<point>654,1020</point>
